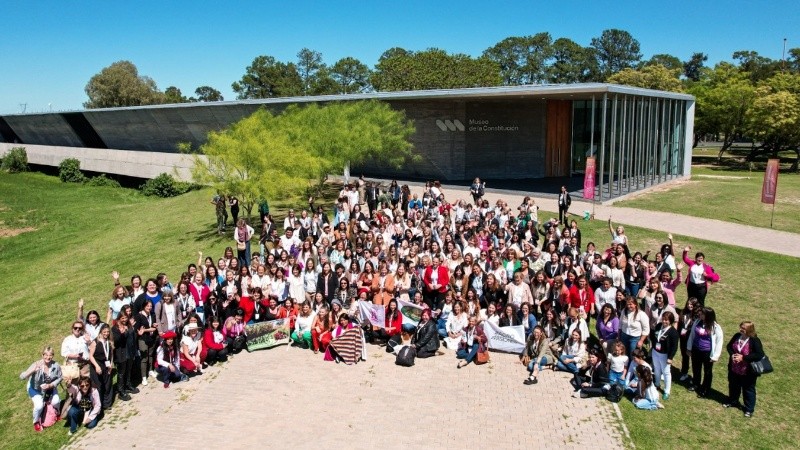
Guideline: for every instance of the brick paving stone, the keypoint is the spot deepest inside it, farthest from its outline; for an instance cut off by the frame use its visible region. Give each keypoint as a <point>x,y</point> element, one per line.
<point>295,398</point>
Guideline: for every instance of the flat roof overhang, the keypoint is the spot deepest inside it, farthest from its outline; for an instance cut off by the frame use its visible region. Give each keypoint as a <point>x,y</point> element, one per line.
<point>580,91</point>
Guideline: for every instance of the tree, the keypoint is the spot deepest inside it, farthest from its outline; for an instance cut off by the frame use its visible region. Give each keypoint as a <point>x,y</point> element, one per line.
<point>351,75</point>
<point>572,63</point>
<point>309,63</point>
<point>774,117</point>
<point>793,60</point>
<point>692,67</point>
<point>653,76</point>
<point>758,67</point>
<point>174,95</point>
<point>267,78</point>
<point>615,50</point>
<point>522,59</point>
<point>208,94</point>
<point>121,85</point>
<point>402,70</point>
<point>723,96</point>
<point>669,61</point>
<point>278,156</point>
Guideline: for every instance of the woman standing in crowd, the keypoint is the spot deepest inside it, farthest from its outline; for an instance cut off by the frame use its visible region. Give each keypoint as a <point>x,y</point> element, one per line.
<point>705,348</point>
<point>634,326</point>
<point>698,276</point>
<point>100,355</point>
<point>125,348</point>
<point>687,317</point>
<point>43,378</point>
<point>665,345</point>
<point>744,348</point>
<point>147,332</point>
<point>243,234</point>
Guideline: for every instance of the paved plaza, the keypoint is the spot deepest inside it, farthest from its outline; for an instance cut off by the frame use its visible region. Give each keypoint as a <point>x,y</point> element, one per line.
<point>291,398</point>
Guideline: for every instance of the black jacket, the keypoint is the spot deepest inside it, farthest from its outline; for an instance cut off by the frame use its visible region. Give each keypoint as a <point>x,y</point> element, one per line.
<point>669,342</point>
<point>756,352</point>
<point>333,283</point>
<point>426,339</point>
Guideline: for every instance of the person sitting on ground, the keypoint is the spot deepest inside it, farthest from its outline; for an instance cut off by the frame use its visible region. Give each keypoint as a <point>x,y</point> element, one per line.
<point>457,321</point>
<point>214,341</point>
<point>631,377</point>
<point>169,360</point>
<point>191,351</point>
<point>302,326</point>
<point>234,332</point>
<point>85,409</point>
<point>472,341</point>
<point>393,324</point>
<point>573,353</point>
<point>592,380</point>
<point>536,355</point>
<point>646,393</point>
<point>43,378</point>
<point>426,338</point>
<point>343,324</point>
<point>321,329</point>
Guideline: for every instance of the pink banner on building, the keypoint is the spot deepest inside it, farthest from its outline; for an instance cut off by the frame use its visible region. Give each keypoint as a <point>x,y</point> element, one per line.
<point>588,179</point>
<point>770,187</point>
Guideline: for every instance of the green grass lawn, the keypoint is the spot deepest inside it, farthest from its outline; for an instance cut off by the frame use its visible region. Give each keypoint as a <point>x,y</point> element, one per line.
<point>729,195</point>
<point>80,234</point>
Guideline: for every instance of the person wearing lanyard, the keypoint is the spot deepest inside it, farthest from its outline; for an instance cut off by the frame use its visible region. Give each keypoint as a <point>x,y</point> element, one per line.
<point>705,348</point>
<point>471,342</point>
<point>146,332</point>
<point>744,348</point>
<point>665,345</point>
<point>100,357</point>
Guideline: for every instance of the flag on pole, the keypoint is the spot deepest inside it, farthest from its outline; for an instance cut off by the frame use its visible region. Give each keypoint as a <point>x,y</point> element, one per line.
<point>504,339</point>
<point>373,313</point>
<point>770,186</point>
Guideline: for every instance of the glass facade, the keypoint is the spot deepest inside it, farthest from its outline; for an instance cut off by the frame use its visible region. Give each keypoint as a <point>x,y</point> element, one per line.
<point>638,141</point>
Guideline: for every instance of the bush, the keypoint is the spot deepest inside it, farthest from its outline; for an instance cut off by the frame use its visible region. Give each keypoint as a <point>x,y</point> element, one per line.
<point>69,171</point>
<point>165,185</point>
<point>102,180</point>
<point>16,160</point>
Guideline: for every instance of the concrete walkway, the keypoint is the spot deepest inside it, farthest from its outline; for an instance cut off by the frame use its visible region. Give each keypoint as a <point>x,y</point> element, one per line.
<point>293,399</point>
<point>765,239</point>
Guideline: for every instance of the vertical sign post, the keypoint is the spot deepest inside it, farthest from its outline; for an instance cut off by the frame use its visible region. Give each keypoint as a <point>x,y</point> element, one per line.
<point>770,187</point>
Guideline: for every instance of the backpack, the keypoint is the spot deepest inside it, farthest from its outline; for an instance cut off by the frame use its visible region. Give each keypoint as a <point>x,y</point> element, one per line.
<point>50,415</point>
<point>615,393</point>
<point>406,356</point>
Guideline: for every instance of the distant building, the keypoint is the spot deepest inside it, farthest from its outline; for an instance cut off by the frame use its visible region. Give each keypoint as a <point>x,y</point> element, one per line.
<point>640,137</point>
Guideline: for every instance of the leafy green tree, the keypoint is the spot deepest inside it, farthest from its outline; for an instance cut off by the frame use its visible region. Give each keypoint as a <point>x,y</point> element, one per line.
<point>121,85</point>
<point>174,95</point>
<point>651,76</point>
<point>668,61</point>
<point>758,67</point>
<point>723,97</point>
<point>692,67</point>
<point>522,59</point>
<point>572,63</point>
<point>793,60</point>
<point>208,94</point>
<point>773,119</point>
<point>277,156</point>
<point>400,70</point>
<point>616,50</point>
<point>267,78</point>
<point>309,65</point>
<point>350,75</point>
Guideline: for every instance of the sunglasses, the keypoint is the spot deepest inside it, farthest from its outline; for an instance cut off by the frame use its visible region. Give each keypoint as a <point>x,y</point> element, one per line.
<point>77,328</point>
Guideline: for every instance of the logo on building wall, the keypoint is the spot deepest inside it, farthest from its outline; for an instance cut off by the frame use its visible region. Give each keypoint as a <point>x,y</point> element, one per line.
<point>450,125</point>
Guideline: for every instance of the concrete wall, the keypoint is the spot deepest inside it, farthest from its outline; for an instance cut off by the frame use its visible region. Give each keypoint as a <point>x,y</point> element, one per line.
<point>112,161</point>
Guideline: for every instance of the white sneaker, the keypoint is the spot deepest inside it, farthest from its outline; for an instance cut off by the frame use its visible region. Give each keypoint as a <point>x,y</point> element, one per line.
<point>576,394</point>
<point>144,382</point>
<point>153,373</point>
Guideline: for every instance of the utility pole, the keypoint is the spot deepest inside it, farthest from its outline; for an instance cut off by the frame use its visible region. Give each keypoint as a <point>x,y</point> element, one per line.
<point>23,107</point>
<point>783,55</point>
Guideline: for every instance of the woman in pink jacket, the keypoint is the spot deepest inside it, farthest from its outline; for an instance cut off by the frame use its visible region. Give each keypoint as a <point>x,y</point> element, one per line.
<point>698,276</point>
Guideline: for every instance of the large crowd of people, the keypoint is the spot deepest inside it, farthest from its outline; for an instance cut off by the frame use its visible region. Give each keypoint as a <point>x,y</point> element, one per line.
<point>613,317</point>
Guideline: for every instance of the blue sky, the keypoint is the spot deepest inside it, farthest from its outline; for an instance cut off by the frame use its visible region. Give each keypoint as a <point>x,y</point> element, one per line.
<point>50,49</point>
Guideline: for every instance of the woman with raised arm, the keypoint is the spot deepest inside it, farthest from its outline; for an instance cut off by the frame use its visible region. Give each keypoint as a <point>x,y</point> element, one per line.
<point>698,276</point>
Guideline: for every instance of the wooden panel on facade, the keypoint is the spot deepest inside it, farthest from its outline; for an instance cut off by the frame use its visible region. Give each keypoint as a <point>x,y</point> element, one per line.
<point>557,155</point>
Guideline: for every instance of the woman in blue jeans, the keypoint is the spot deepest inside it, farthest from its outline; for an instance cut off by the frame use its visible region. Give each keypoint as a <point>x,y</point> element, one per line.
<point>537,354</point>
<point>85,406</point>
<point>573,354</point>
<point>472,341</point>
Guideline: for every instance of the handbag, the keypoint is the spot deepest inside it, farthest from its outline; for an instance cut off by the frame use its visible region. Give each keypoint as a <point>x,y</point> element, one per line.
<point>240,245</point>
<point>70,371</point>
<point>764,365</point>
<point>483,355</point>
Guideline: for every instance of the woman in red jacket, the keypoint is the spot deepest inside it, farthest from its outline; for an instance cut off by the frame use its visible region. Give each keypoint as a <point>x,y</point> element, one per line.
<point>436,279</point>
<point>581,297</point>
<point>214,342</point>
<point>393,324</point>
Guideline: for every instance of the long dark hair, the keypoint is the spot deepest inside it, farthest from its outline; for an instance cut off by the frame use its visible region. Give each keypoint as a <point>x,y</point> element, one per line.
<point>709,318</point>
